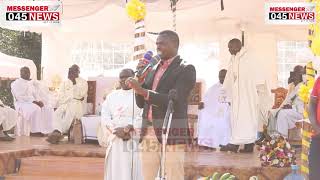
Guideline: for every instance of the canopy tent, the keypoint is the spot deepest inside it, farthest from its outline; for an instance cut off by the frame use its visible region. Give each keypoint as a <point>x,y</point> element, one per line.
<point>197,21</point>
<point>10,66</point>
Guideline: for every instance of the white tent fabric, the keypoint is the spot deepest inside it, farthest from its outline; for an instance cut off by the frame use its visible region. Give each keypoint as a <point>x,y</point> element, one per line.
<point>10,66</point>
<point>108,18</point>
<point>197,21</point>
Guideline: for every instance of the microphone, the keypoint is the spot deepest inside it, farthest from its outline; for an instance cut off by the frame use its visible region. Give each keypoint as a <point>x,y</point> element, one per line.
<point>172,96</point>
<point>152,61</point>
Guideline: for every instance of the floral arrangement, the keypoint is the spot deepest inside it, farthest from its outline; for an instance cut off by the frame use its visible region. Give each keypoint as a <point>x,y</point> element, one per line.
<point>276,152</point>
<point>136,10</point>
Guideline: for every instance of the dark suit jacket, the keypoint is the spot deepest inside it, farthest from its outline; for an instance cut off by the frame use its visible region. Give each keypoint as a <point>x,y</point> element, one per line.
<point>180,77</point>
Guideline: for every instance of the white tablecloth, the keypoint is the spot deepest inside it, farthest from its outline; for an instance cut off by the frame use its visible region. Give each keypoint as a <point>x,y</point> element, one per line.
<point>90,126</point>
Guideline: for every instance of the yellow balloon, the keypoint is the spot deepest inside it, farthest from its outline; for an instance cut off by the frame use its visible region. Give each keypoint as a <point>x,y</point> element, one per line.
<point>315,46</point>
<point>136,10</point>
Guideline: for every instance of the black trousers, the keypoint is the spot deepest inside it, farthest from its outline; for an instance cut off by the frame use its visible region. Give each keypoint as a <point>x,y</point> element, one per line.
<point>314,158</point>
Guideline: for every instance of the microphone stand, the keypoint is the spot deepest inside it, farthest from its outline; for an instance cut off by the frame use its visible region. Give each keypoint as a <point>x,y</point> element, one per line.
<point>165,133</point>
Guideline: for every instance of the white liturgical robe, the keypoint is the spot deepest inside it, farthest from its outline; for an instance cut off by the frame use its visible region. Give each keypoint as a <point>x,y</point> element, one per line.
<point>70,105</point>
<point>214,118</point>
<point>24,93</point>
<point>240,85</point>
<point>119,110</point>
<point>8,117</point>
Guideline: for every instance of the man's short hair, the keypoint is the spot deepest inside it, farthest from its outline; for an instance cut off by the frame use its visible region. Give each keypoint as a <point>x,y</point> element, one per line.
<point>222,70</point>
<point>235,40</point>
<point>128,69</point>
<point>173,36</point>
<point>74,66</point>
<point>24,68</point>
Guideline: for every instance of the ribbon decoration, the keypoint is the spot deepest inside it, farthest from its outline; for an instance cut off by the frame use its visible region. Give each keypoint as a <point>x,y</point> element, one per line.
<point>222,5</point>
<point>174,16</point>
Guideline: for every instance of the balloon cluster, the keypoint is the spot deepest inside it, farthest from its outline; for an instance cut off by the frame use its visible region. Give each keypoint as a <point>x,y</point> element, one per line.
<point>305,89</point>
<point>136,10</point>
<point>315,29</point>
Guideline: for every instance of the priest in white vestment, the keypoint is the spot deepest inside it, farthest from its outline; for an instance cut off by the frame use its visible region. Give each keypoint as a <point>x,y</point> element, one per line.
<point>241,87</point>
<point>29,104</point>
<point>290,112</point>
<point>47,110</point>
<point>72,96</point>
<point>8,120</point>
<point>214,119</point>
<point>120,119</point>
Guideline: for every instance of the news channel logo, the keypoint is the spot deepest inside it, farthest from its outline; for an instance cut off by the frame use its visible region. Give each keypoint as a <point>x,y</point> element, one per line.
<point>290,13</point>
<point>30,13</point>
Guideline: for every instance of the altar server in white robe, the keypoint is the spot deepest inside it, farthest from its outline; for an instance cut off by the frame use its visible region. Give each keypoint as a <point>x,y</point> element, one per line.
<point>103,131</point>
<point>214,118</point>
<point>120,119</point>
<point>290,112</point>
<point>241,86</point>
<point>8,120</point>
<point>29,104</point>
<point>72,95</point>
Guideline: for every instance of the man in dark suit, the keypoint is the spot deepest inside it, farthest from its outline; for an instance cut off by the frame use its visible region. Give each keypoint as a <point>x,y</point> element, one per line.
<point>170,73</point>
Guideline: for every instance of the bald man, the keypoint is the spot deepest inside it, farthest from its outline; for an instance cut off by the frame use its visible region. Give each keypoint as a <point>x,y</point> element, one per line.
<point>28,103</point>
<point>120,117</point>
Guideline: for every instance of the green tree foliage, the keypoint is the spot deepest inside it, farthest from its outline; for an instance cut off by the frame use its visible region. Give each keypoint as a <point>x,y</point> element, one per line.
<point>5,94</point>
<point>22,44</point>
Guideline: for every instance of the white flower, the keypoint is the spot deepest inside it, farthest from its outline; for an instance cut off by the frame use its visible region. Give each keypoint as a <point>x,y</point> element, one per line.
<point>288,146</point>
<point>281,164</point>
<point>264,158</point>
<point>275,161</point>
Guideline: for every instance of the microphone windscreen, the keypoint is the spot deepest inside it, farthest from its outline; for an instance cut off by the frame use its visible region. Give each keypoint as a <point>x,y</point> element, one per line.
<point>148,55</point>
<point>154,60</point>
<point>172,94</point>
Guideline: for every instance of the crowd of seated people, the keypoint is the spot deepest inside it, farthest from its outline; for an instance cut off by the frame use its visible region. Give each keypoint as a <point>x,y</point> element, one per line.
<point>35,115</point>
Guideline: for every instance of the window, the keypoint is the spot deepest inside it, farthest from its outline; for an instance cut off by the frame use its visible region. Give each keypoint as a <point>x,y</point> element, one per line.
<point>205,58</point>
<point>99,57</point>
<point>288,57</point>
<point>96,57</point>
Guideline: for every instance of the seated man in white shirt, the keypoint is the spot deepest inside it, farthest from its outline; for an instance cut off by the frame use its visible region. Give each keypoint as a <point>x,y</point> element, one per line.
<point>8,120</point>
<point>214,117</point>
<point>290,112</point>
<point>28,102</point>
<point>72,96</point>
